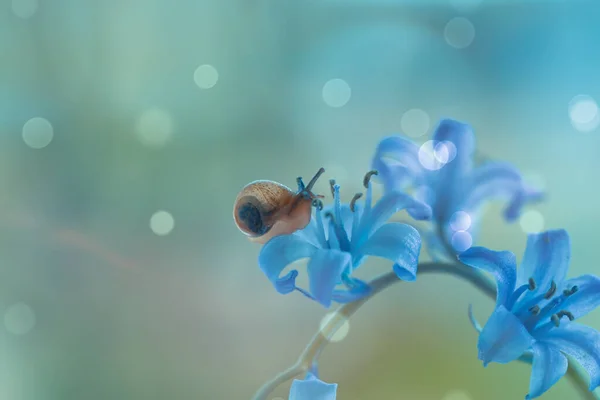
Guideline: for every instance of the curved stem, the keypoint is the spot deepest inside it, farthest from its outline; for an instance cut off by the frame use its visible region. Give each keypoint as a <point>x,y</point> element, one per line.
<point>284,376</point>
<point>315,347</point>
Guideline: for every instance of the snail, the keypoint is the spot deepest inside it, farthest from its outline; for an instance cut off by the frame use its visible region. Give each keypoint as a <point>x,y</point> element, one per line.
<point>264,209</point>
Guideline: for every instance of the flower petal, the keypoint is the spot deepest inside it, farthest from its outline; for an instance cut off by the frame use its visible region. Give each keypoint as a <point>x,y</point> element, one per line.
<point>399,243</point>
<point>325,270</point>
<point>473,320</point>
<point>278,253</point>
<point>459,133</point>
<point>502,264</point>
<point>388,205</point>
<point>586,298</point>
<point>549,365</point>
<point>580,342</point>
<point>359,290</point>
<point>312,388</point>
<point>462,137</point>
<point>498,180</point>
<point>503,338</point>
<point>546,259</point>
<point>397,162</point>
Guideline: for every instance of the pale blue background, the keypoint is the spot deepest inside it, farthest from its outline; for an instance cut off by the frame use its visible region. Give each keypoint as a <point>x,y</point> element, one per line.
<point>122,313</point>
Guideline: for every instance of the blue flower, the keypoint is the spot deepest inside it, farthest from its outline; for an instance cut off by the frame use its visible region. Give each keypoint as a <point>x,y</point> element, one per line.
<point>535,308</point>
<point>443,175</point>
<point>312,388</point>
<point>338,239</point>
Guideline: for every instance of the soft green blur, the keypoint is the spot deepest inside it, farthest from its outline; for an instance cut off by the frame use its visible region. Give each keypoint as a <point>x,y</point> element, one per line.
<point>97,306</point>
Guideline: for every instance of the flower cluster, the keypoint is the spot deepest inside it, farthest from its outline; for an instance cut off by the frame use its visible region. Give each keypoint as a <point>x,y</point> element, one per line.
<point>535,307</point>
<point>442,174</point>
<point>536,304</point>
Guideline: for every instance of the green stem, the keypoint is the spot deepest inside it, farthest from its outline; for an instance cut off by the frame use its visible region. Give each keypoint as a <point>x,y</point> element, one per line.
<point>315,347</point>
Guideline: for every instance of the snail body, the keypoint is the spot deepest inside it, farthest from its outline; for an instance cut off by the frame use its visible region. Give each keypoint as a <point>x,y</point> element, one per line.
<point>264,209</point>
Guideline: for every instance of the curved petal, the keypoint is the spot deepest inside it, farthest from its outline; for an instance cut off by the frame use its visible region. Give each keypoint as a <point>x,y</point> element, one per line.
<point>462,137</point>
<point>397,162</point>
<point>459,133</point>
<point>387,206</point>
<point>502,264</point>
<point>503,338</point>
<point>357,292</point>
<point>399,243</point>
<point>580,342</point>
<point>586,298</point>
<point>546,259</point>
<point>549,365</point>
<point>498,180</point>
<point>278,253</point>
<point>523,196</point>
<point>325,270</point>
<point>312,389</point>
<point>473,320</point>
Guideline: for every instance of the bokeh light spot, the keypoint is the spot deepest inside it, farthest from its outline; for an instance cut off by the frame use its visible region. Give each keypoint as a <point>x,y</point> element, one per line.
<point>206,76</point>
<point>415,122</point>
<point>162,223</point>
<point>19,319</point>
<point>154,127</point>
<point>430,157</point>
<point>336,93</point>
<point>583,112</point>
<point>24,8</point>
<point>444,151</point>
<point>460,221</point>
<point>342,331</point>
<point>456,395</point>
<point>37,133</point>
<point>461,240</point>
<point>459,32</point>
<point>532,221</point>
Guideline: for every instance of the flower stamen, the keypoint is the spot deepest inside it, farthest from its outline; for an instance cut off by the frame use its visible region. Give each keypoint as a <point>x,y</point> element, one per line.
<point>568,292</point>
<point>354,199</point>
<point>318,204</point>
<point>332,187</point>
<point>368,176</point>
<point>554,318</point>
<point>532,284</point>
<point>564,313</point>
<point>330,215</point>
<point>551,291</point>
<point>535,310</point>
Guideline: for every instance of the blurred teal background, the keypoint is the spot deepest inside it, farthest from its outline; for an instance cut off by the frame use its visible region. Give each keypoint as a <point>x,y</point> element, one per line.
<point>127,127</point>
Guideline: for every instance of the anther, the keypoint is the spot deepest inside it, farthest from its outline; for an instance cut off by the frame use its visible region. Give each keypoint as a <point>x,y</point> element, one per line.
<point>368,177</point>
<point>568,292</point>
<point>564,313</point>
<point>551,291</point>
<point>353,202</point>
<point>329,215</point>
<point>318,204</point>
<point>532,284</point>
<point>554,318</point>
<point>332,186</point>
<point>535,310</point>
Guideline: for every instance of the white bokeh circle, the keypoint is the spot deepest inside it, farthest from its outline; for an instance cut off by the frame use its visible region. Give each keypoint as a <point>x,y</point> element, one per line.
<point>162,223</point>
<point>459,32</point>
<point>336,93</point>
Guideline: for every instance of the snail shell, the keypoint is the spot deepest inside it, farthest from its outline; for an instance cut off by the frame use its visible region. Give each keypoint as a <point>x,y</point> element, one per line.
<point>264,209</point>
